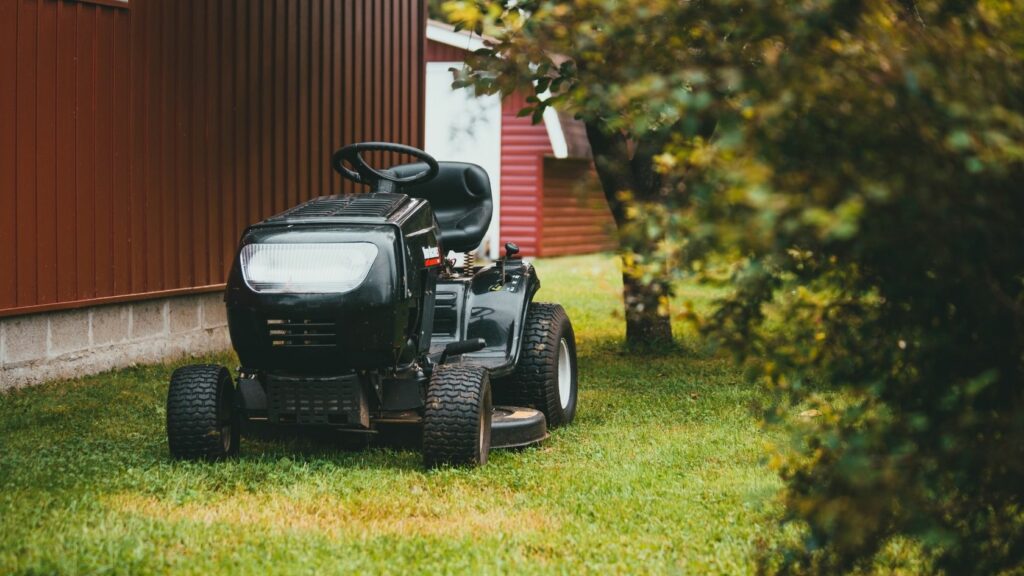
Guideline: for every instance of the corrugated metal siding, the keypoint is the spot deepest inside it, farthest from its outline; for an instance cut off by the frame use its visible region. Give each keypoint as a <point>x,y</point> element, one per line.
<point>575,214</point>
<point>523,146</point>
<point>136,144</point>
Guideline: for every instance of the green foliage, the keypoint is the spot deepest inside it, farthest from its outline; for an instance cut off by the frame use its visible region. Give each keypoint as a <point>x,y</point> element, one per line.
<point>635,70</point>
<point>875,190</point>
<point>435,9</point>
<point>638,75</point>
<point>864,175</point>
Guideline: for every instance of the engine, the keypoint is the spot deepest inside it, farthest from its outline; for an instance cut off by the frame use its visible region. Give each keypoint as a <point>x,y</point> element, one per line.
<point>336,284</point>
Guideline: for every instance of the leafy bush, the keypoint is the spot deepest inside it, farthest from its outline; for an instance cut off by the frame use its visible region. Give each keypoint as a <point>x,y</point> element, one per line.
<point>866,174</point>
<point>876,192</point>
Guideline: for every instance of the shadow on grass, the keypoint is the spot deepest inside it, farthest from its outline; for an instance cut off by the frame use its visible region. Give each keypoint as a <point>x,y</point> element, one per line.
<point>308,442</point>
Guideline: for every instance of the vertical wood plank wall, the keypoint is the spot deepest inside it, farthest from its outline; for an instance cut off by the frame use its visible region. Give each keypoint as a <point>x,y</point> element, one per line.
<point>137,141</point>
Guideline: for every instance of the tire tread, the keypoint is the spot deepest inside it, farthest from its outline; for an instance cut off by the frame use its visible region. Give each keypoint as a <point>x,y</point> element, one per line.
<point>451,417</point>
<point>192,426</point>
<point>534,383</point>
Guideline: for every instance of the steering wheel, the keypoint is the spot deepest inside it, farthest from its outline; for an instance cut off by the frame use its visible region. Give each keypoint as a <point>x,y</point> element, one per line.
<point>365,174</point>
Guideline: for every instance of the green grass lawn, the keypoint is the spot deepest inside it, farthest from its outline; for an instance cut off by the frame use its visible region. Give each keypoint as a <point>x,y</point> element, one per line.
<point>663,471</point>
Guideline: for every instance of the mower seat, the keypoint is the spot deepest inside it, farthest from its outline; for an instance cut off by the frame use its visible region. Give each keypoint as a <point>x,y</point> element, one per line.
<point>460,196</point>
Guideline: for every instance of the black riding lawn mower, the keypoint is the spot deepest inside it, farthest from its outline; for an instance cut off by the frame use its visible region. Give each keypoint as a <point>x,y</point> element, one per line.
<point>347,314</point>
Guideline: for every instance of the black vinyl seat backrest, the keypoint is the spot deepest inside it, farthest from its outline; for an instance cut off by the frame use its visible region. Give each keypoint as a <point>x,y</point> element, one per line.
<point>460,196</point>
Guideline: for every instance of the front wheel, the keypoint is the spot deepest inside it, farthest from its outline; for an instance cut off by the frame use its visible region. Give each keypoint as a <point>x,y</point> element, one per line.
<point>545,377</point>
<point>202,423</point>
<point>457,417</point>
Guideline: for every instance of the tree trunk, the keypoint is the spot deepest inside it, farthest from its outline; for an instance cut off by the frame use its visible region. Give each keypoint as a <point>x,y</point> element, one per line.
<point>648,324</point>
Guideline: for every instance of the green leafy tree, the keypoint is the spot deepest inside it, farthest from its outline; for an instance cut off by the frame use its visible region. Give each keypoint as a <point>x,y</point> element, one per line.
<point>626,74</point>
<point>860,163</point>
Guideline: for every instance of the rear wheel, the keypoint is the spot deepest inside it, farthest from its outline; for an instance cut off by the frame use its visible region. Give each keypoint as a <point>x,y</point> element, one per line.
<point>202,423</point>
<point>545,377</point>
<point>457,417</point>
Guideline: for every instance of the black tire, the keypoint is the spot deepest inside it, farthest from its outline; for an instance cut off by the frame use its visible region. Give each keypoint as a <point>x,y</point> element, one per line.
<point>535,382</point>
<point>457,417</point>
<point>202,423</point>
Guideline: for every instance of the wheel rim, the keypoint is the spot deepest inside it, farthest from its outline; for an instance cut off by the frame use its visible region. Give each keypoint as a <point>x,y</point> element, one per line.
<point>482,435</point>
<point>225,434</point>
<point>564,374</point>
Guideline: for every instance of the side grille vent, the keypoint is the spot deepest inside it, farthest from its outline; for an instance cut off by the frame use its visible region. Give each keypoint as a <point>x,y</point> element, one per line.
<point>446,317</point>
<point>301,333</point>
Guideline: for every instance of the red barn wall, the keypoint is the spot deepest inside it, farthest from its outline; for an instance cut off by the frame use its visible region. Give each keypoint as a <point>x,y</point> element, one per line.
<point>549,206</point>
<point>575,215</point>
<point>523,147</point>
<point>137,140</point>
<point>438,52</point>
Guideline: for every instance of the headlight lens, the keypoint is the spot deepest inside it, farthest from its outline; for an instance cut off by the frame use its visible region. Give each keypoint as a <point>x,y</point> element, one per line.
<point>306,268</point>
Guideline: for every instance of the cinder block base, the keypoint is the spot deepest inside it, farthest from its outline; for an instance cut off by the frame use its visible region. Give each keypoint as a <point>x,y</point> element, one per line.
<point>42,347</point>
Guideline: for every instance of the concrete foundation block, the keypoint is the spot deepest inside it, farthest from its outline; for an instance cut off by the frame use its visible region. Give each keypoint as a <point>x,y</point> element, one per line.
<point>69,331</point>
<point>44,347</point>
<point>109,324</point>
<point>215,314</point>
<point>183,314</point>
<point>148,319</point>
<point>25,338</point>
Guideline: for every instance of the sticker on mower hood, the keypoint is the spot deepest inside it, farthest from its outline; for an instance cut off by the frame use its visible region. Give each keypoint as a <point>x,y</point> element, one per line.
<point>431,256</point>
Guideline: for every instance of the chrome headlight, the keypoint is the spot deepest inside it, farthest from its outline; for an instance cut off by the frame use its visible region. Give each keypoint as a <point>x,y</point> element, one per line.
<point>306,268</point>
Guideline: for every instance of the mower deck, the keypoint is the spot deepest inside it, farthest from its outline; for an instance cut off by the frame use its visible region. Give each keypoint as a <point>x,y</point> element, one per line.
<point>511,427</point>
<point>515,427</point>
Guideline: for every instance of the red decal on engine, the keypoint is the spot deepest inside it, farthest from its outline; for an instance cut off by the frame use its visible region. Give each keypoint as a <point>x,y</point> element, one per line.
<point>431,256</point>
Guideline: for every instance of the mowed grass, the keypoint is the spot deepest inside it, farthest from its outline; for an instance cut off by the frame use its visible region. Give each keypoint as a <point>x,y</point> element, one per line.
<point>663,471</point>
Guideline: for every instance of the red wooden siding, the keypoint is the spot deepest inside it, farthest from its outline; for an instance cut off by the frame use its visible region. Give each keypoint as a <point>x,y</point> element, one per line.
<point>575,215</point>
<point>438,52</point>
<point>523,146</point>
<point>549,206</point>
<point>137,141</point>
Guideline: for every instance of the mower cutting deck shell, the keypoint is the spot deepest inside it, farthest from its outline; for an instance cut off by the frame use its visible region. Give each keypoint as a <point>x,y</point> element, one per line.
<point>345,314</point>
